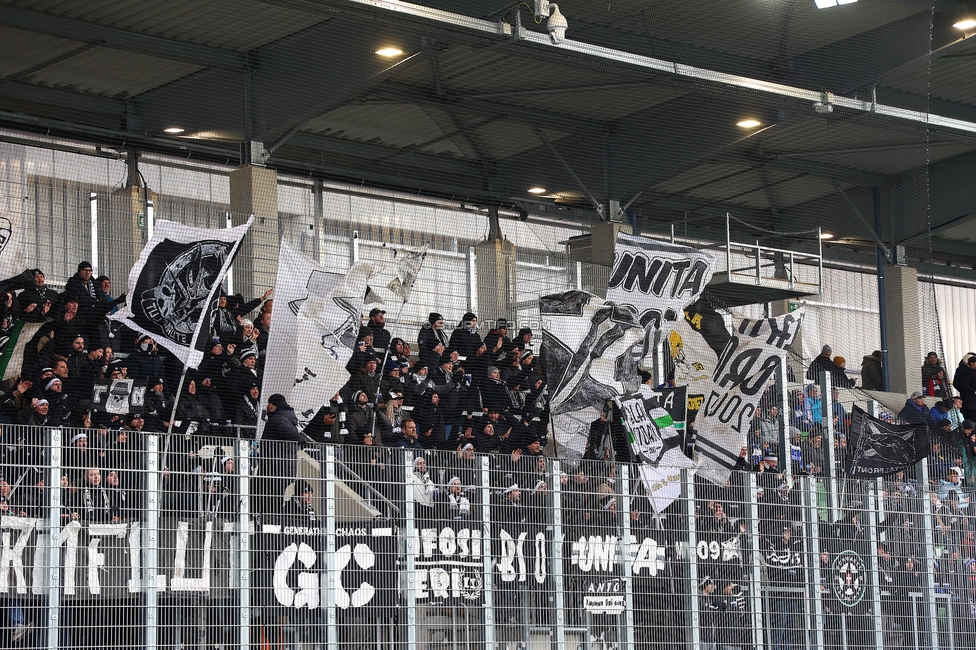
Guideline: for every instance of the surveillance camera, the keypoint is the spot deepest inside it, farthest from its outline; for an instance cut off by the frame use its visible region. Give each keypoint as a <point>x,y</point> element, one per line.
<point>556,25</point>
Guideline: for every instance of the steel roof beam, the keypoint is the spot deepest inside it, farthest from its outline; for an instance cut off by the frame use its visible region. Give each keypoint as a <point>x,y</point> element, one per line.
<point>380,156</point>
<point>57,98</point>
<point>120,39</point>
<point>404,12</point>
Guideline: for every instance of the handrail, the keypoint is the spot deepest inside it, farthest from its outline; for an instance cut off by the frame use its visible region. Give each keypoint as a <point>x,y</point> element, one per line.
<point>372,490</point>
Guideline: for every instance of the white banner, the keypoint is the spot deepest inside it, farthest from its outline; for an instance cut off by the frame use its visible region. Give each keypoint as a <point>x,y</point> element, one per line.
<point>657,279</point>
<point>173,287</point>
<point>315,324</point>
<point>14,251</point>
<point>588,343</point>
<point>747,365</point>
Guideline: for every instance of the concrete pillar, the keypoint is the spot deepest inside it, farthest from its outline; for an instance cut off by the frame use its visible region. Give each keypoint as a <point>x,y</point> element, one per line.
<point>122,232</point>
<point>904,339</point>
<point>254,190</point>
<point>495,264</point>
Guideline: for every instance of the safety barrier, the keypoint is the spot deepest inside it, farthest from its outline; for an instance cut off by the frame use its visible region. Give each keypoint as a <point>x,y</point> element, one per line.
<point>155,541</point>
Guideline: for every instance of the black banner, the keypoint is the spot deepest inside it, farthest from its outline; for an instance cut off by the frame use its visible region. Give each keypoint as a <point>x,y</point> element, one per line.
<point>450,564</point>
<point>290,566</point>
<point>366,561</point>
<point>119,396</point>
<point>878,448</point>
<point>100,560</point>
<point>592,561</point>
<point>195,556</point>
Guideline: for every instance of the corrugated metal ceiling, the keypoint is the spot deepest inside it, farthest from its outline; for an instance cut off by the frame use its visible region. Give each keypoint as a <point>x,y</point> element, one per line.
<point>253,24</point>
<point>762,30</point>
<point>20,50</point>
<point>103,71</point>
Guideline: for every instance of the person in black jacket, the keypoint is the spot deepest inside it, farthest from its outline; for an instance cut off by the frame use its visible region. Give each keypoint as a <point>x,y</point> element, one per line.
<point>465,339</point>
<point>248,411</point>
<point>282,423</point>
<point>377,325</point>
<point>493,392</point>
<point>964,381</point>
<point>783,553</point>
<point>145,362</point>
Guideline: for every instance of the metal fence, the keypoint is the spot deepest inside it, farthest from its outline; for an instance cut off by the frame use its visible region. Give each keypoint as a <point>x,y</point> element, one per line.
<point>126,539</point>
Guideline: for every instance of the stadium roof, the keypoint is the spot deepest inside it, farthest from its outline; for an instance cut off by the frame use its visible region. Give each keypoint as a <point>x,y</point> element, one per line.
<point>640,103</point>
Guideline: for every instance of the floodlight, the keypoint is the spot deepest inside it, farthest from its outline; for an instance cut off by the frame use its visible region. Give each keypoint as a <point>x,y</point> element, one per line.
<point>748,123</point>
<point>389,52</point>
<point>965,24</point>
<point>174,129</point>
<point>537,190</point>
<point>825,4</point>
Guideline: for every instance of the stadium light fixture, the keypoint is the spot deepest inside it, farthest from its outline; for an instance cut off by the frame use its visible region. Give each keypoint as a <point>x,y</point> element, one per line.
<point>389,52</point>
<point>965,24</point>
<point>825,4</point>
<point>826,235</point>
<point>537,190</point>
<point>174,129</point>
<point>749,123</point>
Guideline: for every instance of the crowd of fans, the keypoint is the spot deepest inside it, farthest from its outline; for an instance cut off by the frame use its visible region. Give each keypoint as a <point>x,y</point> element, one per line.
<point>447,397</point>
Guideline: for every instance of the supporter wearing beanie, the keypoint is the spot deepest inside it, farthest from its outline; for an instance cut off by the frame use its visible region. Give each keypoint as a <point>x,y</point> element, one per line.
<point>466,339</point>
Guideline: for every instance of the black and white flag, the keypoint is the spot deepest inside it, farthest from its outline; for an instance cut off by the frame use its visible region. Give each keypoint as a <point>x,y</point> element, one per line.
<point>588,343</point>
<point>173,287</point>
<point>316,315</point>
<point>656,279</point>
<point>746,366</point>
<point>119,396</point>
<point>14,251</point>
<point>878,448</point>
<point>652,419</point>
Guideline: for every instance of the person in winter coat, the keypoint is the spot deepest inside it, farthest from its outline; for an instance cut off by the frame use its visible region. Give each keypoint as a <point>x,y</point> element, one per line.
<point>493,392</point>
<point>145,362</point>
<point>931,366</point>
<point>377,325</point>
<point>248,411</point>
<point>964,381</point>
<point>433,331</point>
<point>465,339</point>
<point>497,341</point>
<point>190,406</point>
<point>872,375</point>
<point>937,385</point>
<point>282,422</point>
<point>916,412</point>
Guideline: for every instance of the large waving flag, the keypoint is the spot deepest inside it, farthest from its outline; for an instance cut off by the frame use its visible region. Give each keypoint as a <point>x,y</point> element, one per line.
<point>315,322</point>
<point>173,287</point>
<point>746,366</point>
<point>588,344</point>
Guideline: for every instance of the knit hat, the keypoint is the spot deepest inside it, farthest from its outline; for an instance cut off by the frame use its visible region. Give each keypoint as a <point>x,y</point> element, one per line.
<point>446,358</point>
<point>501,323</point>
<point>839,360</point>
<point>826,350</point>
<point>433,317</point>
<point>468,317</point>
<point>249,352</point>
<point>84,265</point>
<point>49,384</point>
<point>278,401</point>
